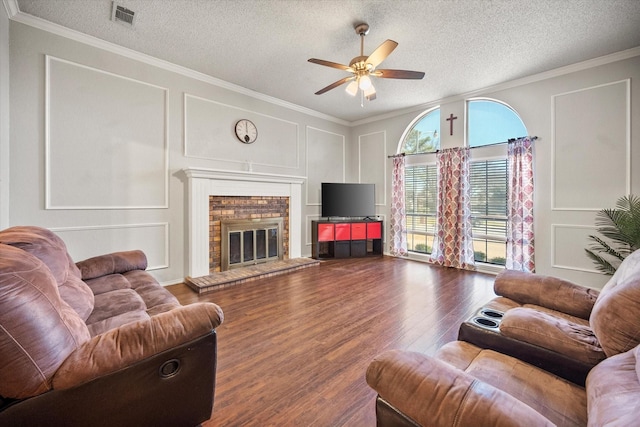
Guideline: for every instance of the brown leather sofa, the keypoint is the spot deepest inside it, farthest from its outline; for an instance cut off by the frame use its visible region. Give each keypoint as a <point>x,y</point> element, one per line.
<point>470,385</point>
<point>98,343</point>
<point>551,323</point>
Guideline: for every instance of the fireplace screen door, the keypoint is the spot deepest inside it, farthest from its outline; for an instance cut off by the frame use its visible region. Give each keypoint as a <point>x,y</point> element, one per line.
<point>249,242</point>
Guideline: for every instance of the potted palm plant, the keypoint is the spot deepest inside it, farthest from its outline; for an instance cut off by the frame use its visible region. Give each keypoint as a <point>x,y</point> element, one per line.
<point>620,228</point>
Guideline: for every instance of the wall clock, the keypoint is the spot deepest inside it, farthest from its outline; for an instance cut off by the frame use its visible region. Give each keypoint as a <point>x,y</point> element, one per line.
<point>246,131</point>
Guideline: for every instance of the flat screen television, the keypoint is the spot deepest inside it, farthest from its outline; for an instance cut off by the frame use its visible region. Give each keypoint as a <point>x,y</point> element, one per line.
<point>348,200</point>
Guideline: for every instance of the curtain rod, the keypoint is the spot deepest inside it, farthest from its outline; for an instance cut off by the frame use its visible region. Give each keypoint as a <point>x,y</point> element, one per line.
<point>533,138</point>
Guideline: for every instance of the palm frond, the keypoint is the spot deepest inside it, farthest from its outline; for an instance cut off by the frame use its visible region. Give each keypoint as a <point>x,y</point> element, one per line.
<point>621,228</point>
<point>601,264</point>
<point>601,246</point>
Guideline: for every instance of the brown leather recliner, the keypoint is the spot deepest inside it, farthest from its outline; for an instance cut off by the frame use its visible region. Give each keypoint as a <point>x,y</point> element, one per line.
<point>98,343</point>
<point>468,385</point>
<point>552,323</point>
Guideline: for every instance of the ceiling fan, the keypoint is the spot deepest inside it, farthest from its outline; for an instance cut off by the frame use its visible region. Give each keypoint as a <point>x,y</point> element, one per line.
<point>363,67</point>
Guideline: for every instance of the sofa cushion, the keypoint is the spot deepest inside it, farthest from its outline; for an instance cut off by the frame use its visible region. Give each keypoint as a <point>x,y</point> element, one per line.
<point>615,318</point>
<point>38,329</point>
<point>50,249</point>
<point>151,293</point>
<point>613,390</point>
<point>104,284</point>
<point>156,298</point>
<point>128,297</point>
<point>558,400</point>
<point>115,321</point>
<point>543,329</point>
<point>115,303</point>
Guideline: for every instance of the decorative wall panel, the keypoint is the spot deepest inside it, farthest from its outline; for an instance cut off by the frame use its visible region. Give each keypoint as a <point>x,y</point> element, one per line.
<point>569,243</point>
<point>591,151</point>
<point>325,161</point>
<point>106,145</point>
<point>372,162</point>
<point>209,134</point>
<point>87,242</point>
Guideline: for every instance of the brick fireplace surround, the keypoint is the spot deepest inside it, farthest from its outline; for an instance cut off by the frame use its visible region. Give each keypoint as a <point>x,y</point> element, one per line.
<point>203,183</point>
<point>243,207</point>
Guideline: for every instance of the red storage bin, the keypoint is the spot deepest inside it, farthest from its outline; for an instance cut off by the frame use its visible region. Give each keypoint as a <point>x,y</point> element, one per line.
<point>374,230</point>
<point>358,231</point>
<point>343,231</point>
<point>325,233</point>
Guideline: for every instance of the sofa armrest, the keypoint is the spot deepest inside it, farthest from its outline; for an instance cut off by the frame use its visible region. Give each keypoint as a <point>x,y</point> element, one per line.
<point>554,333</point>
<point>114,263</point>
<point>134,342</point>
<point>432,392</point>
<point>546,291</point>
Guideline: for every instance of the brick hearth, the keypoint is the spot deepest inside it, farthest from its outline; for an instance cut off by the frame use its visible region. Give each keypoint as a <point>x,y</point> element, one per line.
<point>224,279</point>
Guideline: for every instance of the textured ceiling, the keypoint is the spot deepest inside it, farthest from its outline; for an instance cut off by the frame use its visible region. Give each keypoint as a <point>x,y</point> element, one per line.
<point>263,45</point>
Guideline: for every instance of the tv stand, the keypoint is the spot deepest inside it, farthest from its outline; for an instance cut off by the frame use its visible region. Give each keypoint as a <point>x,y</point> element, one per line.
<point>346,238</point>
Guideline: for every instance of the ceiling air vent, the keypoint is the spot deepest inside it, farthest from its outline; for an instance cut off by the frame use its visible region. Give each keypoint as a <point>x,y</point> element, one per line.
<point>122,15</point>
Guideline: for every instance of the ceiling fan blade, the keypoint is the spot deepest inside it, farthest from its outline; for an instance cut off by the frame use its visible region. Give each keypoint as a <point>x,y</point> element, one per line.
<point>331,64</point>
<point>398,74</point>
<point>334,85</point>
<point>381,52</point>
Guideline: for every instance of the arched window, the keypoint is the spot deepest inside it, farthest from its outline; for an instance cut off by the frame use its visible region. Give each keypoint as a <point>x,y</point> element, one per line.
<point>490,122</point>
<point>421,137</point>
<point>424,135</point>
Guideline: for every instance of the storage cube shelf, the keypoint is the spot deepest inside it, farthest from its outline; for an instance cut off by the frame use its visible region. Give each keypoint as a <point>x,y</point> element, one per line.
<point>347,238</point>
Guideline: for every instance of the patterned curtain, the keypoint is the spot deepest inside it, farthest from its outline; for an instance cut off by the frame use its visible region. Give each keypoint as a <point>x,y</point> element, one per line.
<point>453,243</point>
<point>520,246</point>
<point>398,214</point>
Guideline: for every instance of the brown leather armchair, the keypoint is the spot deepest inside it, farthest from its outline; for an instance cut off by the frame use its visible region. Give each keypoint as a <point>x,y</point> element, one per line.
<point>465,384</point>
<point>552,323</point>
<point>99,343</point>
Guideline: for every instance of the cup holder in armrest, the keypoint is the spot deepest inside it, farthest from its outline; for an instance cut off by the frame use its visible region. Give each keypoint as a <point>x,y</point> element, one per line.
<point>488,318</point>
<point>491,313</point>
<point>485,323</point>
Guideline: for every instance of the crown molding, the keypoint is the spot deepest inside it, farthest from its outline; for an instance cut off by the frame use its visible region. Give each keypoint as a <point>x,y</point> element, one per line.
<point>39,23</point>
<point>11,7</point>
<point>572,68</point>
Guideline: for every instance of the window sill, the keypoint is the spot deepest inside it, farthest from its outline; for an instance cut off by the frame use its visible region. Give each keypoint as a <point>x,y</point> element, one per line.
<point>481,267</point>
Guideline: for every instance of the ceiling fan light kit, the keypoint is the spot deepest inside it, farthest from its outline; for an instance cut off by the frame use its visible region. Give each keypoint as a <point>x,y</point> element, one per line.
<point>352,88</point>
<point>364,82</point>
<point>363,67</point>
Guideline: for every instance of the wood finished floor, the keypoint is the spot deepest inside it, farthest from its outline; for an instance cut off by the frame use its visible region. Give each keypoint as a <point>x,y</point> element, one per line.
<point>293,349</point>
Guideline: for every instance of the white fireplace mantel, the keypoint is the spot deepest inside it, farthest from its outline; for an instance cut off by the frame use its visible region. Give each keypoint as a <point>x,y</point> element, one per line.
<point>213,182</point>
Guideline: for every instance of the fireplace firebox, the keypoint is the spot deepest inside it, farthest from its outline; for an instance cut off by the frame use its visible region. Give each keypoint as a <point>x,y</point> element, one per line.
<point>251,241</point>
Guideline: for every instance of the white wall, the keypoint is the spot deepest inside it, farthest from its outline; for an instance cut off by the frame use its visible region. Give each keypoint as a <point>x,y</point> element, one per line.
<point>4,118</point>
<point>101,140</point>
<point>589,138</point>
